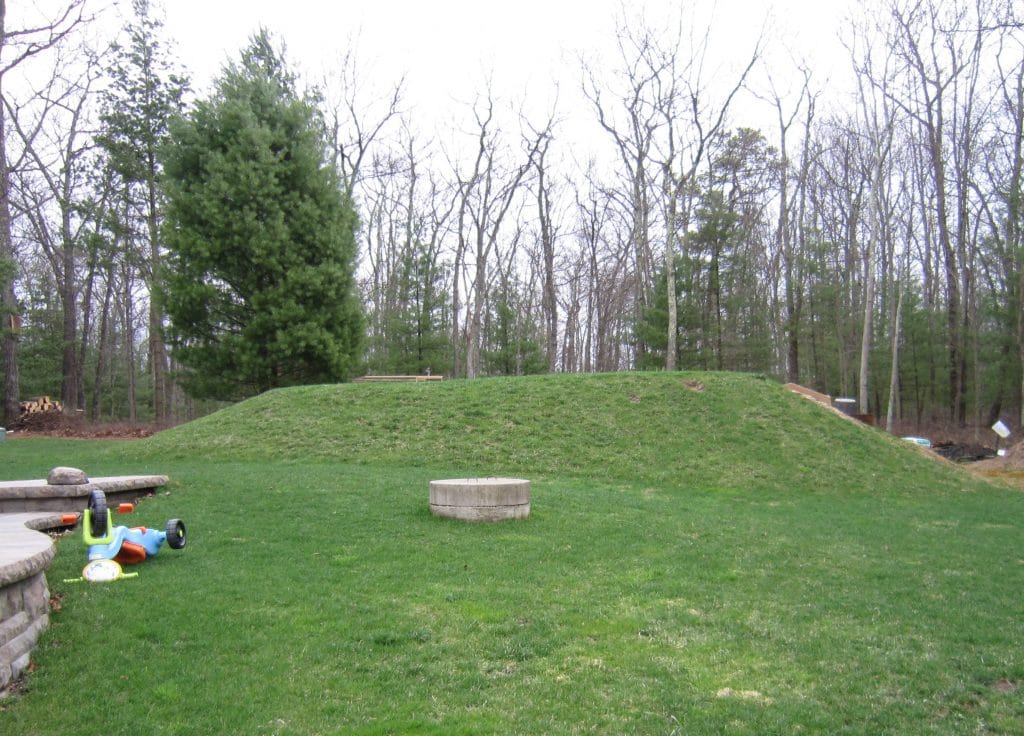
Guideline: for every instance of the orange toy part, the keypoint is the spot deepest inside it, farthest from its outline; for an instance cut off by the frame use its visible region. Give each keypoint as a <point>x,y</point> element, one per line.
<point>125,508</point>
<point>131,554</point>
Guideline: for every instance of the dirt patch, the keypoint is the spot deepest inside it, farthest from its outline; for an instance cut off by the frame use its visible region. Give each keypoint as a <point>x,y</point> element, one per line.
<point>752,696</point>
<point>693,385</point>
<point>1012,461</point>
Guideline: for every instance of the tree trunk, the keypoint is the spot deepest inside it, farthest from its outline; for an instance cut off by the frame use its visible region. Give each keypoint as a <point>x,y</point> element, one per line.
<point>102,346</point>
<point>474,328</point>
<point>1014,238</point>
<point>9,310</point>
<point>671,345</point>
<point>550,298</point>
<point>957,399</point>
<point>894,373</point>
<point>157,348</point>
<point>128,308</point>
<point>69,304</point>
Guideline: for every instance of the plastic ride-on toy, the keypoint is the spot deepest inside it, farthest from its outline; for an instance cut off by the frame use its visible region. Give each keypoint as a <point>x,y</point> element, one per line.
<point>124,545</point>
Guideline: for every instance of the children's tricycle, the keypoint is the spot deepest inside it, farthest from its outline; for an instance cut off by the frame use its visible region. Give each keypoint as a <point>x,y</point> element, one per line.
<point>126,546</point>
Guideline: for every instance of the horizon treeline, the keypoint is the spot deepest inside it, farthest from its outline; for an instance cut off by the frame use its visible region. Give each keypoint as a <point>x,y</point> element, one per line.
<point>866,243</point>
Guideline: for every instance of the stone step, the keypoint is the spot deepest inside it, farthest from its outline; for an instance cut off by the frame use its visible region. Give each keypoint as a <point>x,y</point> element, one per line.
<point>19,496</point>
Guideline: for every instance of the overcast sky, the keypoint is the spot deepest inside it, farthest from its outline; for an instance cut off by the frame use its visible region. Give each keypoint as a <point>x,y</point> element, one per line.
<point>447,48</point>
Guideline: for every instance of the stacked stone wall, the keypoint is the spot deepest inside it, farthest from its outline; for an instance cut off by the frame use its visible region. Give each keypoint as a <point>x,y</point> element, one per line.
<point>24,594</point>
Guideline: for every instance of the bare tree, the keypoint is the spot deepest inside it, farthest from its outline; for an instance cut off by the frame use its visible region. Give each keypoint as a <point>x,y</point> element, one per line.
<point>57,141</point>
<point>631,121</point>
<point>406,211</point>
<point>356,116</point>
<point>692,120</point>
<point>878,126</point>
<point>940,49</point>
<point>17,45</point>
<point>785,236</point>
<point>486,195</point>
<point>1003,174</point>
<point>663,123</point>
<point>1012,86</point>
<point>601,300</point>
<point>838,190</point>
<point>547,235</point>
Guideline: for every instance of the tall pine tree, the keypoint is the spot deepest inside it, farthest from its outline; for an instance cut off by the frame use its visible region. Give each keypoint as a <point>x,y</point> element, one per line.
<point>259,283</point>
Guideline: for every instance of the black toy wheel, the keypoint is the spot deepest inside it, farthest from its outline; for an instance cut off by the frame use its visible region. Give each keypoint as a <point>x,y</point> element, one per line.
<point>98,513</point>
<point>175,534</point>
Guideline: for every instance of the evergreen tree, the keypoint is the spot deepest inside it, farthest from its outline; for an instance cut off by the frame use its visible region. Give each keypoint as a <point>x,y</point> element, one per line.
<point>259,283</point>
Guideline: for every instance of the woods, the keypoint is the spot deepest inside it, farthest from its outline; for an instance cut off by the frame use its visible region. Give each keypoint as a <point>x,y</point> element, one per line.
<point>728,209</point>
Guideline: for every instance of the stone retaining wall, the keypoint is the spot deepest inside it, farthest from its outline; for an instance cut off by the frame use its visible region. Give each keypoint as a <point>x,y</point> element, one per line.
<point>18,496</point>
<point>25,554</point>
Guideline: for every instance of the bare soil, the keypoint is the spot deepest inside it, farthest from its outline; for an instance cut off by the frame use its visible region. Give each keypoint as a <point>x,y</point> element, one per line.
<point>1012,461</point>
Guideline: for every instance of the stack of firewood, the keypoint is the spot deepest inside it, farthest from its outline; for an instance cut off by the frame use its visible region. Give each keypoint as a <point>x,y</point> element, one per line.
<point>40,405</point>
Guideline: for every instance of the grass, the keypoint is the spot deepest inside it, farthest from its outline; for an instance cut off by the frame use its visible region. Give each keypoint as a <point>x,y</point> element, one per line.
<point>731,560</point>
<point>731,431</point>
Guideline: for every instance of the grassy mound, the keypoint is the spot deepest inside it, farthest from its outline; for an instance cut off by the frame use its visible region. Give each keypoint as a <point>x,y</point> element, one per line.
<point>713,431</point>
<point>705,554</point>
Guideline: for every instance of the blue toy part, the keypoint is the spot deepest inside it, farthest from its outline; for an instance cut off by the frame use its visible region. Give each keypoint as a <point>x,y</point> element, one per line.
<point>150,540</point>
<point>125,545</point>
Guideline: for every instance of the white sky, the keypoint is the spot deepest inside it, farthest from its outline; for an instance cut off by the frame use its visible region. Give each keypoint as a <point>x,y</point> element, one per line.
<point>447,48</point>
<point>529,49</point>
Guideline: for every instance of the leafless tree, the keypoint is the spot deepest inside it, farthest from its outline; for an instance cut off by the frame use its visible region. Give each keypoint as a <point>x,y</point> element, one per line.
<point>486,194</point>
<point>18,45</point>
<point>547,234</point>
<point>1002,266</point>
<point>356,116</point>
<point>877,125</point>
<point>693,118</point>
<point>56,138</point>
<point>631,121</point>
<point>663,122</point>
<point>939,47</point>
<point>406,206</point>
<point>789,229</point>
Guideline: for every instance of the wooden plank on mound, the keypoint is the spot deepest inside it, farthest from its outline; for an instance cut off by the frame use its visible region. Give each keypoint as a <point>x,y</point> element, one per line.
<point>809,393</point>
<point>396,379</point>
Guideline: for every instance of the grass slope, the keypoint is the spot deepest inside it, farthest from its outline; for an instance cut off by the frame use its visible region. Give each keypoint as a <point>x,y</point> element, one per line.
<point>725,561</point>
<point>716,430</point>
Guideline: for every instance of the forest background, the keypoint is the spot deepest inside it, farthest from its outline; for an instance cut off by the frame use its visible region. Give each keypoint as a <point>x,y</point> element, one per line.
<point>864,239</point>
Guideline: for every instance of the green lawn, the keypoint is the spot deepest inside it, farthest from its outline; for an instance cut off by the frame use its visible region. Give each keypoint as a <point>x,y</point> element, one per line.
<point>730,560</point>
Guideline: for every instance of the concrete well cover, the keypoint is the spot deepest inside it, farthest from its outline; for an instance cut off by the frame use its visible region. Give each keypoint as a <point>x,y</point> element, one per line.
<point>480,499</point>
